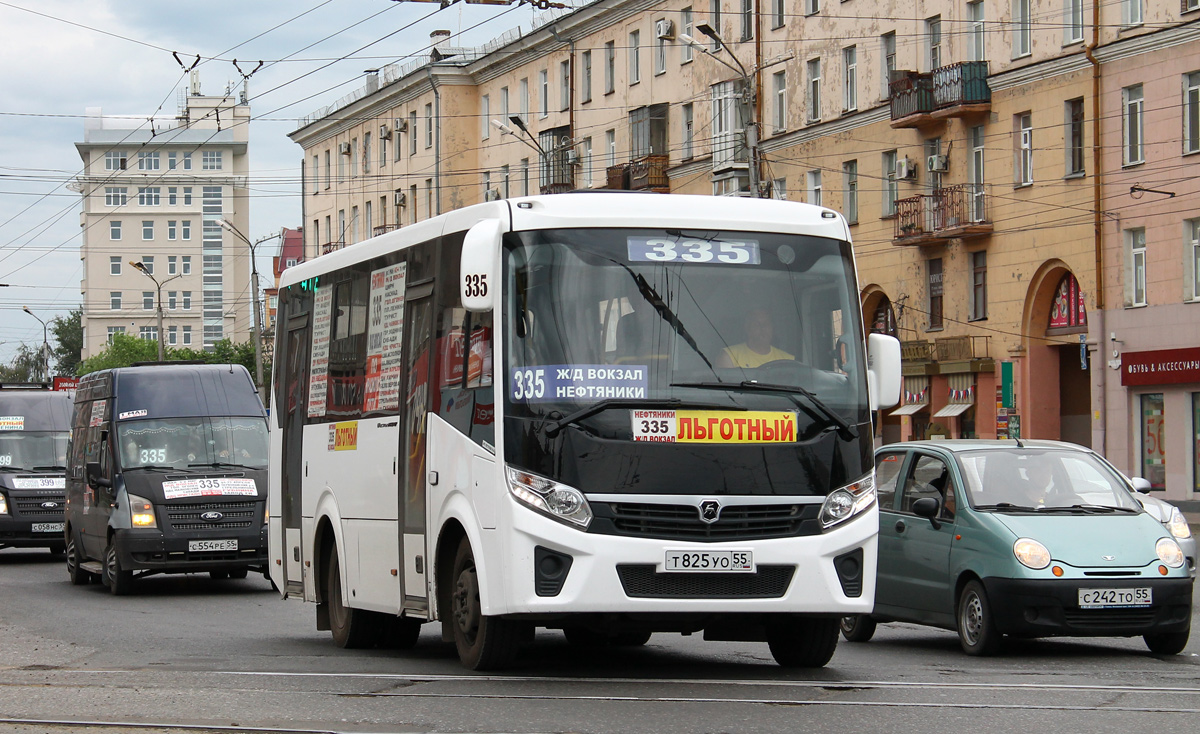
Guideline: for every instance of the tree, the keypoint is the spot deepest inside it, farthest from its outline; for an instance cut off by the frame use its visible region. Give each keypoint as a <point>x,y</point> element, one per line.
<point>122,352</point>
<point>25,367</point>
<point>68,335</point>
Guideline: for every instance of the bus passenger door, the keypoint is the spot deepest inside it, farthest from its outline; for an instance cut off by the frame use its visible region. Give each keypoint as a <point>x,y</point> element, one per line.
<point>418,359</point>
<point>295,407</point>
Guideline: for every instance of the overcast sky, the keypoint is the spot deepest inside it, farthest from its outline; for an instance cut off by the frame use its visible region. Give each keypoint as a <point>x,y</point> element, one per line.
<point>59,57</point>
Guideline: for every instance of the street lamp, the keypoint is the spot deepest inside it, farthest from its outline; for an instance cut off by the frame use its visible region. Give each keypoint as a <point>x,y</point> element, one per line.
<point>257,335</point>
<point>146,272</point>
<point>45,346</point>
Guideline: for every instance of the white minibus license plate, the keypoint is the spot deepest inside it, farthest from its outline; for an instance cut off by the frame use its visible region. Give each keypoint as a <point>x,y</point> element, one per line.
<point>47,527</point>
<point>1103,598</point>
<point>730,561</point>
<point>212,545</point>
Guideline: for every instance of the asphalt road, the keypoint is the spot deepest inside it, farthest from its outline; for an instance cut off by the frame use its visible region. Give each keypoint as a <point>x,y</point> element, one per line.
<point>191,654</point>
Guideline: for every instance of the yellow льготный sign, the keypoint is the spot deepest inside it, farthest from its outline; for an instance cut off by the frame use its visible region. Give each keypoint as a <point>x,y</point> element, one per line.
<point>713,426</point>
<point>343,436</point>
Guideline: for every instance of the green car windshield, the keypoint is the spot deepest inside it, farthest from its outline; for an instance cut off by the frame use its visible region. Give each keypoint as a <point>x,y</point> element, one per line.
<point>1042,479</point>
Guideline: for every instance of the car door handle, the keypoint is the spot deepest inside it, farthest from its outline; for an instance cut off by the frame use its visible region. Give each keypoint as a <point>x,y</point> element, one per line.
<point>900,526</point>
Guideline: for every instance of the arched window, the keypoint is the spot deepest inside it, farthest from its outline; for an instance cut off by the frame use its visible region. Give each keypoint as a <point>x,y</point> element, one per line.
<point>1068,311</point>
<point>883,321</point>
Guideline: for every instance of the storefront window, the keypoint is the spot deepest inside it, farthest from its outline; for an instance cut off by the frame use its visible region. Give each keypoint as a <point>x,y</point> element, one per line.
<point>1196,441</point>
<point>1153,452</point>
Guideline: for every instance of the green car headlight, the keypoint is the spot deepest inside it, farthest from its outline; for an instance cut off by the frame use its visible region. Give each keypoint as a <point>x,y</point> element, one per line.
<point>1169,552</point>
<point>1031,553</point>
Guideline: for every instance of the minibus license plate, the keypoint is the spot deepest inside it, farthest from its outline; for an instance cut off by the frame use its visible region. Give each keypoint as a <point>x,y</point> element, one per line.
<point>212,545</point>
<point>1103,598</point>
<point>47,527</point>
<point>730,561</point>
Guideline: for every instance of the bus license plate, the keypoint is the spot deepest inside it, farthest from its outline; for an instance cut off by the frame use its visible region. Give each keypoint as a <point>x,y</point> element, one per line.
<point>47,527</point>
<point>1105,598</point>
<point>731,561</point>
<point>212,545</point>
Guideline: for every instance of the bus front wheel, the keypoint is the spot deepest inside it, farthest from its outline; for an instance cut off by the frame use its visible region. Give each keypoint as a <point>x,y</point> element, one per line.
<point>803,642</point>
<point>351,628</point>
<point>483,642</point>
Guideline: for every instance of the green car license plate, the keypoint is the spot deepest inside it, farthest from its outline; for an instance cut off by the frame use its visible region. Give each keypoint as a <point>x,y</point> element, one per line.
<point>1111,598</point>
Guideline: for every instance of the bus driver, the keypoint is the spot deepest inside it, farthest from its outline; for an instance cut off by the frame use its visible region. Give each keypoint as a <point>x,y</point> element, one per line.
<point>757,350</point>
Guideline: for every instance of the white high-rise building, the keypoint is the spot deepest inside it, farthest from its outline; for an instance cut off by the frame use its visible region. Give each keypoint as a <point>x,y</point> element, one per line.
<point>156,196</point>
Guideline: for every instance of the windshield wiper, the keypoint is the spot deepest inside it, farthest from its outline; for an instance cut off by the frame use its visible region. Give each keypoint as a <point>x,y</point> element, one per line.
<point>52,467</point>
<point>153,466</point>
<point>9,467</point>
<point>1006,506</point>
<point>225,464</point>
<point>1090,509</point>
<point>555,427</point>
<point>844,429</point>
<point>656,301</point>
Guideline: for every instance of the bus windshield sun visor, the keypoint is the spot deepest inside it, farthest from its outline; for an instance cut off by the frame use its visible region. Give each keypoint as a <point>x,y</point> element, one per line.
<point>555,427</point>
<point>844,429</point>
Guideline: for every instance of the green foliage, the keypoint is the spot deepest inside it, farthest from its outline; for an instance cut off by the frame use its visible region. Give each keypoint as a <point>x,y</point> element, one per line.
<point>68,333</point>
<point>25,367</point>
<point>122,352</point>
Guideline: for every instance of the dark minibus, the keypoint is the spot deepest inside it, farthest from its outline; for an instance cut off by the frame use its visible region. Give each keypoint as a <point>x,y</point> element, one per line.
<point>167,473</point>
<point>34,424</point>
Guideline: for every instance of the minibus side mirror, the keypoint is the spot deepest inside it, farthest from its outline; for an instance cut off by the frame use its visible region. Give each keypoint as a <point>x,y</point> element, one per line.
<point>95,476</point>
<point>480,259</point>
<point>883,370</point>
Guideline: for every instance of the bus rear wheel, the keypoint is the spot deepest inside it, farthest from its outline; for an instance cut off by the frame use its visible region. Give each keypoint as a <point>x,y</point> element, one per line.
<point>351,628</point>
<point>483,642</point>
<point>802,642</point>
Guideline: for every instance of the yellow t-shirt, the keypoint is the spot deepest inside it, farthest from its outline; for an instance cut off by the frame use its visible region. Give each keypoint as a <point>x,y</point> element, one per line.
<point>743,356</point>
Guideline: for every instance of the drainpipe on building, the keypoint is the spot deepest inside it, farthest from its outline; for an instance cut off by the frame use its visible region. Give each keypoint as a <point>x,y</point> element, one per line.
<point>437,141</point>
<point>758,65</point>
<point>1099,435</point>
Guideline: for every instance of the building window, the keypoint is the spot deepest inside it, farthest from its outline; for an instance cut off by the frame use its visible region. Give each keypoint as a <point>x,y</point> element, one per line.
<point>147,229</point>
<point>779,188</point>
<point>812,7</point>
<point>935,293</point>
<point>185,233</point>
<point>1135,282</point>
<point>172,265</point>
<point>149,196</point>
<point>148,300</point>
<point>1068,310</point>
<point>814,90</point>
<point>726,125</point>
<point>412,142</point>
<point>1191,239</point>
<point>173,193</point>
<point>353,152</point>
<point>172,335</point>
<point>635,66</point>
<point>585,80</point>
<point>1073,21</point>
<point>1024,148</point>
<point>610,67</point>
<point>586,162</point>
<point>850,78</point>
<point>543,93</point>
<point>525,177</point>
<point>1191,112</point>
<point>187,264</point>
<point>1154,453</point>
<point>187,336</point>
<point>976,44</point>
<point>975,173</point>
<point>1131,12</point>
<point>187,161</point>
<point>850,191</point>
<point>383,141</point>
<point>211,160</point>
<point>1133,105</point>
<point>114,301</point>
<point>779,84</point>
<point>610,144</point>
<point>1074,137</point>
<point>890,189</point>
<point>114,229</point>
<point>114,160</point>
<point>747,15</point>
<point>485,117</point>
<point>116,196</point>
<point>564,85</point>
<point>714,20</point>
<point>148,264</point>
<point>777,14</point>
<point>113,331</point>
<point>1022,29</point>
<point>187,195</point>
<point>660,55</point>
<point>523,93</point>
<point>978,286</point>
<point>689,131</point>
<point>814,187</point>
<point>685,27</point>
<point>187,300</point>
<point>342,166</point>
<point>933,42</point>
<point>366,153</point>
<point>148,161</point>
<point>172,229</point>
<point>888,59</point>
<point>429,125</point>
<point>114,265</point>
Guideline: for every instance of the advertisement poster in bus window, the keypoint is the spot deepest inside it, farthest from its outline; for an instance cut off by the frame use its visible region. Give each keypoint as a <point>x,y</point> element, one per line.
<point>479,358</point>
<point>452,348</point>
<point>385,339</point>
<point>318,375</point>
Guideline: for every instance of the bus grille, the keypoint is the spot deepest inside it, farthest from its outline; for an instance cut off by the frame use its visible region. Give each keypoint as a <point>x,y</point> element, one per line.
<point>769,582</point>
<point>682,522</point>
<point>30,505</point>
<point>187,516</point>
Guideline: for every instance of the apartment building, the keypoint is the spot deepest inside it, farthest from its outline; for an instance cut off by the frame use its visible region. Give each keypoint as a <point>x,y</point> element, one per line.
<point>973,146</point>
<point>155,194</point>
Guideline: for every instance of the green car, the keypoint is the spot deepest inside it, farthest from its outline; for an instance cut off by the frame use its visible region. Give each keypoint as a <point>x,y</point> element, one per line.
<point>1021,538</point>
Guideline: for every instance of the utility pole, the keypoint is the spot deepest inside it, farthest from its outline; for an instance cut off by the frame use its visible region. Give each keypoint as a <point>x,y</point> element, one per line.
<point>256,336</point>
<point>45,346</point>
<point>162,357</point>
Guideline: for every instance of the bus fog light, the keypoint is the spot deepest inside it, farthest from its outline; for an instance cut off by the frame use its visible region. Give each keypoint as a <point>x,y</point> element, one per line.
<point>1169,552</point>
<point>846,502</point>
<point>559,501</point>
<point>141,512</point>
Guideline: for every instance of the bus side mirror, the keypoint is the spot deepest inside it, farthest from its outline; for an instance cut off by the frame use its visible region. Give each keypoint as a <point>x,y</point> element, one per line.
<point>883,370</point>
<point>480,258</point>
<point>95,476</point>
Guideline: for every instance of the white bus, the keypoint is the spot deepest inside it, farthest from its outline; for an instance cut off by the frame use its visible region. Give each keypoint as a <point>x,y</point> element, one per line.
<point>613,414</point>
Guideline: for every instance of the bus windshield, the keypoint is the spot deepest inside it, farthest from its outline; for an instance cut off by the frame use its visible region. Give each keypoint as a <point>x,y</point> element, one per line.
<point>188,443</point>
<point>727,319</point>
<point>29,450</point>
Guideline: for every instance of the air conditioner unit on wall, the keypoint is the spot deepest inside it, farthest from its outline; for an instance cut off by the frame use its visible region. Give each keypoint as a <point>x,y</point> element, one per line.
<point>344,148</point>
<point>937,163</point>
<point>491,195</point>
<point>398,198</point>
<point>400,126</point>
<point>664,29</point>
<point>385,132</point>
<point>906,169</point>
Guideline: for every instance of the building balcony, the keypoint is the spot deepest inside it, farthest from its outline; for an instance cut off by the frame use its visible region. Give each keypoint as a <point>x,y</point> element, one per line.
<point>957,354</point>
<point>329,247</point>
<point>911,96</point>
<point>957,211</point>
<point>917,357</point>
<point>645,173</point>
<point>383,229</point>
<point>961,90</point>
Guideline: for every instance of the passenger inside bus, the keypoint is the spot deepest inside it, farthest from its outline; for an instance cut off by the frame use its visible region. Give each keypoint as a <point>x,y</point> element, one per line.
<point>757,349</point>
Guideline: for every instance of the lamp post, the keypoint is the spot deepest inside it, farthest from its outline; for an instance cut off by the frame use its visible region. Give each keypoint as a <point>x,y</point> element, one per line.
<point>257,335</point>
<point>146,272</point>
<point>45,346</point>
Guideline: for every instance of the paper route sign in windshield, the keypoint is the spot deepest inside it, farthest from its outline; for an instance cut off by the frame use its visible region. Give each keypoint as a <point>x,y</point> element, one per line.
<point>579,382</point>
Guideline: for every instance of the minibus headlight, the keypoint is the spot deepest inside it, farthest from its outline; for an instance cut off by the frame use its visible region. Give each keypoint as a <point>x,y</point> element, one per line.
<point>141,512</point>
<point>1178,525</point>
<point>846,502</point>
<point>3,504</point>
<point>559,501</point>
<point>1169,552</point>
<point>1031,553</point>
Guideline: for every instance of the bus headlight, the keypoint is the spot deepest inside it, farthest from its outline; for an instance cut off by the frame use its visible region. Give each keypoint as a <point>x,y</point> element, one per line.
<point>563,503</point>
<point>1169,552</point>
<point>3,504</point>
<point>846,502</point>
<point>141,512</point>
<point>1178,525</point>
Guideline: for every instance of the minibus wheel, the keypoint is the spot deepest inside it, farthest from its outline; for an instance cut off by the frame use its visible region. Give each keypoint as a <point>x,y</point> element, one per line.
<point>483,642</point>
<point>120,581</point>
<point>351,628</point>
<point>802,642</point>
